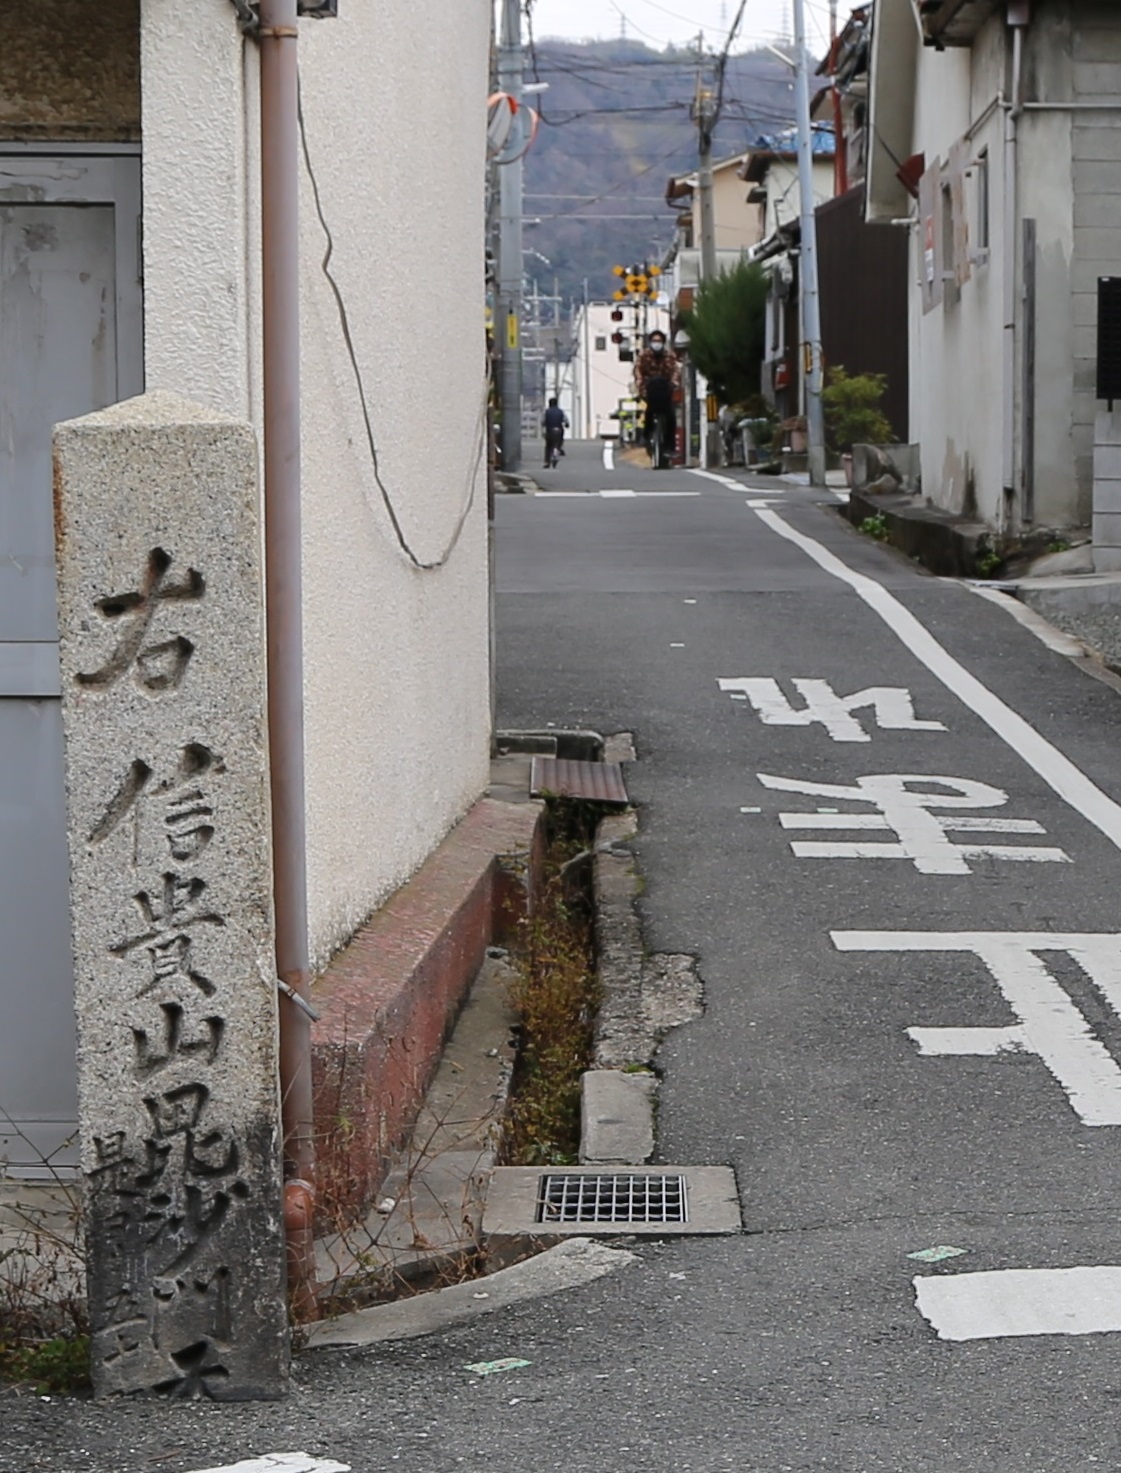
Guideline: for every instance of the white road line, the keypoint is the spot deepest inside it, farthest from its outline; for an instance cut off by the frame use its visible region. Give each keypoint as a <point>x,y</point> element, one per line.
<point>1051,1026</point>
<point>958,1043</point>
<point>1057,771</point>
<point>1054,639</point>
<point>282,1463</point>
<point>617,493</point>
<point>1021,1301</point>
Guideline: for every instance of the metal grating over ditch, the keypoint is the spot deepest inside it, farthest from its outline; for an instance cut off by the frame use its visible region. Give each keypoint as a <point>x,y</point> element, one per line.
<point>573,1197</point>
<point>595,782</point>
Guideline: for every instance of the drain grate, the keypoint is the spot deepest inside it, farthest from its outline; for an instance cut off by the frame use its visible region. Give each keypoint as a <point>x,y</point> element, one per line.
<point>630,1198</point>
<point>527,1203</point>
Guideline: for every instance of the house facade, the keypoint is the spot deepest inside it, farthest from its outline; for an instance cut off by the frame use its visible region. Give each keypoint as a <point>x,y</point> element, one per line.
<point>129,259</point>
<point>995,143</point>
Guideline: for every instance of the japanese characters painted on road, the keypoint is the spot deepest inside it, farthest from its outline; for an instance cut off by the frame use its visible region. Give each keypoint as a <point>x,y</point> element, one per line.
<point>892,706</point>
<point>904,805</point>
<point>163,704</point>
<point>1048,1022</point>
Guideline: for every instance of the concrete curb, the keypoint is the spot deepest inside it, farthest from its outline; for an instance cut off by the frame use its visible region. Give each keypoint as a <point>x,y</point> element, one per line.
<point>1084,656</point>
<point>642,998</point>
<point>570,1264</point>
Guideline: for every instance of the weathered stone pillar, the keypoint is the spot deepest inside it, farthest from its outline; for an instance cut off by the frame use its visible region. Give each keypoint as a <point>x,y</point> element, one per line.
<point>163,678</point>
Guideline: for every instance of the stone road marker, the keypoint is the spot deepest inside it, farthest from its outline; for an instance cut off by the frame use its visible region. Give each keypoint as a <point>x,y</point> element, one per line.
<point>163,678</point>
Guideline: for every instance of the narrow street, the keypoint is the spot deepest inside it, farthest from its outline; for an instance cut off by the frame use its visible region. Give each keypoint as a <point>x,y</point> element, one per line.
<point>891,1056</point>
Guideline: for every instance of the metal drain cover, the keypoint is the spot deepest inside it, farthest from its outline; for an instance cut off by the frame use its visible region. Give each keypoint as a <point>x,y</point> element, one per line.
<point>524,1201</point>
<point>573,1196</point>
<point>596,782</point>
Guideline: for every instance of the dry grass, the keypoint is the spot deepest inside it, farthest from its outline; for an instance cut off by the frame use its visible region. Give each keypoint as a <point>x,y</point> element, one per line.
<point>44,1326</point>
<point>555,996</point>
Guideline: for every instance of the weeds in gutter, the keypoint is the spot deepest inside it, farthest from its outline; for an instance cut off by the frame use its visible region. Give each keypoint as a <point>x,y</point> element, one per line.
<point>875,526</point>
<point>44,1327</point>
<point>556,997</point>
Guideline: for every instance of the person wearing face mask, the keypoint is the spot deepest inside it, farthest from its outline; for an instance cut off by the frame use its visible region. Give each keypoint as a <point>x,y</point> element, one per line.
<point>656,375</point>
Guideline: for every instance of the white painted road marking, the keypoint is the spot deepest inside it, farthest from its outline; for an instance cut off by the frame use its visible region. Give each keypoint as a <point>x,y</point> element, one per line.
<point>892,705</point>
<point>1021,1301</point>
<point>614,494</point>
<point>1056,770</point>
<point>282,1463</point>
<point>1051,1026</point>
<point>907,813</point>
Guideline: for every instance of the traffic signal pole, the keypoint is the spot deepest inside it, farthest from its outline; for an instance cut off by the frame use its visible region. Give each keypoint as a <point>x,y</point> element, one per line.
<point>509,314</point>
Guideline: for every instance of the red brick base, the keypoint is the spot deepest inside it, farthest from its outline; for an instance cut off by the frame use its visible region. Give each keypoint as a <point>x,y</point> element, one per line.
<point>387,1001</point>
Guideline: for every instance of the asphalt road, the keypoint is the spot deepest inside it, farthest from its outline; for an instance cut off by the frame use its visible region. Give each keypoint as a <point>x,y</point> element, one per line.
<point>993,1129</point>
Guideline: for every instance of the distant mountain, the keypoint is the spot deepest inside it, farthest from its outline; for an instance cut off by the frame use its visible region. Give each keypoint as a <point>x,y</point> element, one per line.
<point>615,127</point>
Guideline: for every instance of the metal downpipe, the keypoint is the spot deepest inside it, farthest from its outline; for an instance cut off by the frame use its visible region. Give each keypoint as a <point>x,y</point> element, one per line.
<point>280,258</point>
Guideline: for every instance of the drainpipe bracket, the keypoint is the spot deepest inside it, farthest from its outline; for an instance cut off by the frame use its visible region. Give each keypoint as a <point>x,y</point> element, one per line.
<point>247,17</point>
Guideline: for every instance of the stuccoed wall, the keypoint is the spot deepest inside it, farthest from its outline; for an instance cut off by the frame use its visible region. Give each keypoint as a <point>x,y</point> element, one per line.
<point>396,659</point>
<point>1096,143</point>
<point>956,348</point>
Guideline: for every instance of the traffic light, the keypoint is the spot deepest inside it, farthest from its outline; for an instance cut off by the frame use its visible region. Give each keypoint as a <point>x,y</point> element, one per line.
<point>616,338</point>
<point>617,315</point>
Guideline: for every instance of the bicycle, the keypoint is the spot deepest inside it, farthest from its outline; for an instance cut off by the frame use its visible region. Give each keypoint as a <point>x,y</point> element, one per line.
<point>659,422</point>
<point>552,449</point>
<point>660,439</point>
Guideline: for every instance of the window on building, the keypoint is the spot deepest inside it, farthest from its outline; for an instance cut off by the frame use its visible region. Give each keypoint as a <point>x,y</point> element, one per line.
<point>601,345</point>
<point>983,205</point>
<point>951,292</point>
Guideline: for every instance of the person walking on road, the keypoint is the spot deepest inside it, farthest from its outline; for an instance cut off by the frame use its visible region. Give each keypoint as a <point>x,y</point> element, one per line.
<point>554,422</point>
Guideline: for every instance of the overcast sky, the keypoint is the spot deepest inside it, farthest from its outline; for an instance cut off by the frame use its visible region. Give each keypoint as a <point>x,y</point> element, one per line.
<point>658,22</point>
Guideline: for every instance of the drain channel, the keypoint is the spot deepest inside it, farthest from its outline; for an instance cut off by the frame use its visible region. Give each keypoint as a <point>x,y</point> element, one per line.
<point>630,1198</point>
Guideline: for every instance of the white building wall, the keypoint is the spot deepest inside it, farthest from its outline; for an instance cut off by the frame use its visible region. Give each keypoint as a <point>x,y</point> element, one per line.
<point>600,378</point>
<point>955,349</point>
<point>784,197</point>
<point>958,377</point>
<point>397,676</point>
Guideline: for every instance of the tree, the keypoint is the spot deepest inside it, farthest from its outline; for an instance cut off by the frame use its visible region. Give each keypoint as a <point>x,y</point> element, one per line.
<point>727,331</point>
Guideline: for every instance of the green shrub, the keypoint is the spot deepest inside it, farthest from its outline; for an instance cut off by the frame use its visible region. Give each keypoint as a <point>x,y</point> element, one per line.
<point>853,415</point>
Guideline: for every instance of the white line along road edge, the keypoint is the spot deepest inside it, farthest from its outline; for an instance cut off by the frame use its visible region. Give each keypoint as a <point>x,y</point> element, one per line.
<point>282,1463</point>
<point>1056,770</point>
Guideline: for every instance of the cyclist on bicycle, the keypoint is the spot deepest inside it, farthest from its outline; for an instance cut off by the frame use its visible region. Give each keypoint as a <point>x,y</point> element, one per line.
<point>656,376</point>
<point>554,422</point>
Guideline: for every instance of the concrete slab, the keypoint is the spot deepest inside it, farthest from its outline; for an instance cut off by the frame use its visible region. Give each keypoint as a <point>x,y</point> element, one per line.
<point>576,1261</point>
<point>429,1208</point>
<point>617,1117</point>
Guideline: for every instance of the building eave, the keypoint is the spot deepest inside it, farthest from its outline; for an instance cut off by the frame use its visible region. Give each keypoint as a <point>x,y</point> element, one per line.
<point>891,98</point>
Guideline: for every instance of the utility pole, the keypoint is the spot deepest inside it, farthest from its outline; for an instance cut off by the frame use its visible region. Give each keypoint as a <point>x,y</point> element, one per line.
<point>811,307</point>
<point>509,314</point>
<point>704,115</point>
<point>840,163</point>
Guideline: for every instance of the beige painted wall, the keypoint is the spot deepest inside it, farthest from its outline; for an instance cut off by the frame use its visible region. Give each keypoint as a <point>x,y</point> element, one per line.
<point>397,677</point>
